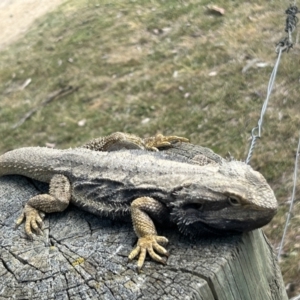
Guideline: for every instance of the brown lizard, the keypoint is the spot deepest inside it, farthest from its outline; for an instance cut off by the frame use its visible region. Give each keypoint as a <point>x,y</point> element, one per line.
<point>206,195</point>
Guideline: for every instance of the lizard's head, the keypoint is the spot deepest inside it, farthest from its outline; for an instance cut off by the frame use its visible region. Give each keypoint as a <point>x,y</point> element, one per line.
<point>235,198</point>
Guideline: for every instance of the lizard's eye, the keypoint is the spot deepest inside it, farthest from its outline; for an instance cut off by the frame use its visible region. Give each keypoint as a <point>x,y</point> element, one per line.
<point>234,201</point>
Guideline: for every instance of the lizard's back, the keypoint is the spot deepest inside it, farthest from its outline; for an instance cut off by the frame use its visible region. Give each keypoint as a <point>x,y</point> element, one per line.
<point>112,178</point>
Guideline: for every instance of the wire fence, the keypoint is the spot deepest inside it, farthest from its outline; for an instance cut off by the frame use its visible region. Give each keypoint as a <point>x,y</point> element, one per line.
<point>284,45</point>
<point>292,200</point>
<point>256,131</point>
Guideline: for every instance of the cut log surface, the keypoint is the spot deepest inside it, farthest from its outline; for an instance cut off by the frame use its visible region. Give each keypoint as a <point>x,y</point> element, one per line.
<point>81,256</point>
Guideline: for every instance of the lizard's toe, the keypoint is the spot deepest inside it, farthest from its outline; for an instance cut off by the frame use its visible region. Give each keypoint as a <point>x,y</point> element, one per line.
<point>161,240</point>
<point>159,249</point>
<point>148,244</point>
<point>134,252</point>
<point>20,220</point>
<point>154,149</point>
<point>173,138</point>
<point>141,259</point>
<point>161,141</point>
<point>33,220</point>
<point>35,225</point>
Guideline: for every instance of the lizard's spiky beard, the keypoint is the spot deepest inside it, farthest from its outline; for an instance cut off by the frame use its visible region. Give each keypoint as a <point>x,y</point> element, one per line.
<point>190,224</point>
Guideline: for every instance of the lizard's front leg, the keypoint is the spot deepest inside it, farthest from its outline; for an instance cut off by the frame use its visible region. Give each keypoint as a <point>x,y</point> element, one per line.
<point>57,200</point>
<point>148,240</point>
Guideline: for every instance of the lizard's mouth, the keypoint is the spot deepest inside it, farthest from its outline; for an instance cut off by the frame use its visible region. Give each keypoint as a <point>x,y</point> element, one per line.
<point>202,229</point>
<point>222,227</point>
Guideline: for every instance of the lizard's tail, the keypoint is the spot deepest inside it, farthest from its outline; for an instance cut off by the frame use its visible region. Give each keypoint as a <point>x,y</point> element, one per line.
<point>23,161</point>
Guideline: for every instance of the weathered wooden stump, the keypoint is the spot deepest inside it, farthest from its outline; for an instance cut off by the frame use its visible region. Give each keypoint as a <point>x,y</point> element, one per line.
<point>81,256</point>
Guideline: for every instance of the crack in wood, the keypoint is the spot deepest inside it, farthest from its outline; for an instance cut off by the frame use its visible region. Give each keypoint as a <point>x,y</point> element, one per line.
<point>7,268</point>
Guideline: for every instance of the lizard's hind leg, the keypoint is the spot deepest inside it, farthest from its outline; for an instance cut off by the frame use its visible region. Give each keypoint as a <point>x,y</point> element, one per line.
<point>57,200</point>
<point>158,141</point>
<point>121,140</point>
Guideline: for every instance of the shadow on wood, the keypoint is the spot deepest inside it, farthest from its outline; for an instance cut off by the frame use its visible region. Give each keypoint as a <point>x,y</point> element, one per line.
<point>81,256</point>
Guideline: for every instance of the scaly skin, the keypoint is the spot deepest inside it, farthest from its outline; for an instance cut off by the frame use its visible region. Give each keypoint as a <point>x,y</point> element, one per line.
<point>120,140</point>
<point>228,196</point>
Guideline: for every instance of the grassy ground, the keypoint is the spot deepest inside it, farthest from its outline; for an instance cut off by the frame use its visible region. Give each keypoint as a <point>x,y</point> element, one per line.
<point>162,66</point>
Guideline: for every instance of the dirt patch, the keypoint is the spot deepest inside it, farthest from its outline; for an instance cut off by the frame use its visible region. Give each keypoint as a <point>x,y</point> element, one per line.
<point>16,16</point>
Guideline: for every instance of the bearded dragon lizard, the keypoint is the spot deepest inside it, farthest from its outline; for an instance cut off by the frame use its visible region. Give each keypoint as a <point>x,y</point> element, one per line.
<point>115,177</point>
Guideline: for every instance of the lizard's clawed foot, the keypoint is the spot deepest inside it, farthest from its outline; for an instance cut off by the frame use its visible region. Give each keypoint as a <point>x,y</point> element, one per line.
<point>160,141</point>
<point>33,220</point>
<point>149,243</point>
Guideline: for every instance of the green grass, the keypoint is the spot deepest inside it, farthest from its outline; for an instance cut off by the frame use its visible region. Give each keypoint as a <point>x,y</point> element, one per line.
<point>144,67</point>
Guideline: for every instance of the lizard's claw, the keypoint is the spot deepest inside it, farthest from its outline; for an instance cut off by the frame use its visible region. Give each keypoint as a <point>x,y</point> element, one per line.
<point>160,141</point>
<point>33,220</point>
<point>149,243</point>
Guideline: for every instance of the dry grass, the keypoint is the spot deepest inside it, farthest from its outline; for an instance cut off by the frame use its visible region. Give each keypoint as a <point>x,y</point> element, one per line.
<point>145,67</point>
